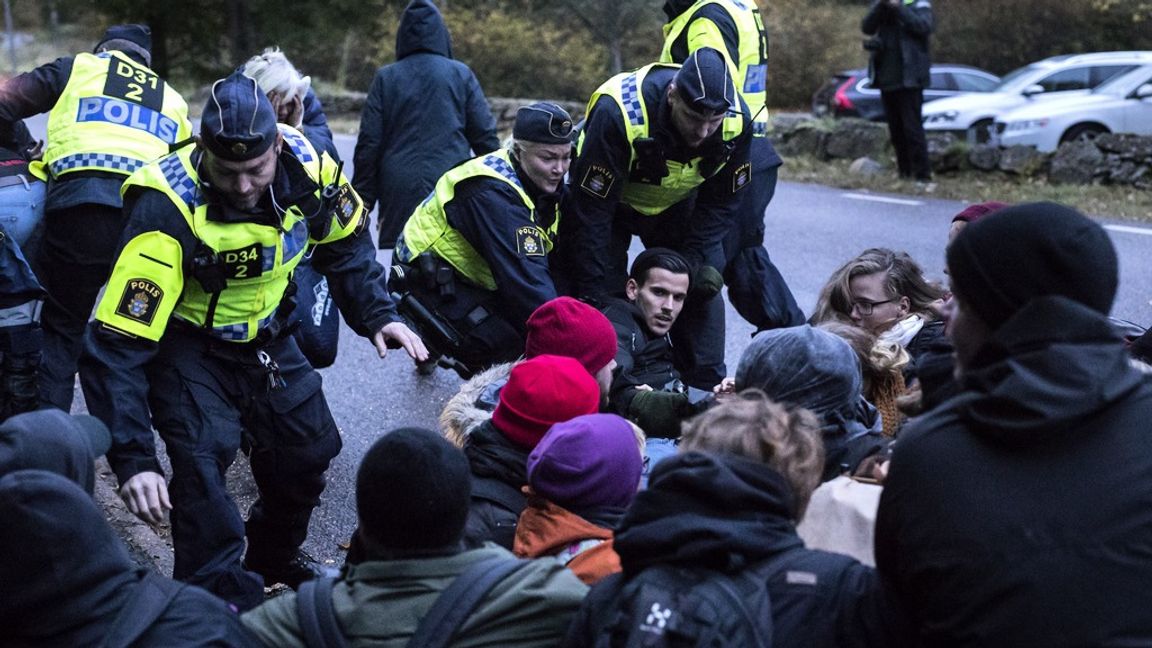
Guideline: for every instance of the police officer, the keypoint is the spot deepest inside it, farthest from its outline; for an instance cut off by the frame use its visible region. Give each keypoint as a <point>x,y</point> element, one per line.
<point>734,28</point>
<point>475,252</point>
<point>663,154</point>
<point>191,327</point>
<point>108,114</point>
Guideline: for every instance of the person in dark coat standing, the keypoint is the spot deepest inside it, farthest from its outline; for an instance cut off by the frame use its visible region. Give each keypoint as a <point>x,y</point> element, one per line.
<point>1017,513</point>
<point>900,69</point>
<point>424,114</point>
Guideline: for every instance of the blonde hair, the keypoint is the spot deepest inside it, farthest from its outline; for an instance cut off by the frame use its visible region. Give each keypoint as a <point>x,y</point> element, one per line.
<point>751,425</point>
<point>882,368</point>
<point>903,277</point>
<point>273,72</point>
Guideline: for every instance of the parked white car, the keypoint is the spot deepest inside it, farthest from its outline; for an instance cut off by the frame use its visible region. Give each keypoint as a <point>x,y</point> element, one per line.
<point>970,116</point>
<point>1123,105</point>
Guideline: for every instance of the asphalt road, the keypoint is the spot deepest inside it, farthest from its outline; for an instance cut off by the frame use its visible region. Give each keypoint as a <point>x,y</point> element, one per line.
<point>811,230</point>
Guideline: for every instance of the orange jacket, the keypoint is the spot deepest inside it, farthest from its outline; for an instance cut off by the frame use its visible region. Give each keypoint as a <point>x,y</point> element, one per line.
<point>546,529</point>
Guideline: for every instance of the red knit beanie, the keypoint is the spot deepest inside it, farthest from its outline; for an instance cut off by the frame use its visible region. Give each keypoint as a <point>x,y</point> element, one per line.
<point>973,213</point>
<point>571,328</point>
<point>543,391</point>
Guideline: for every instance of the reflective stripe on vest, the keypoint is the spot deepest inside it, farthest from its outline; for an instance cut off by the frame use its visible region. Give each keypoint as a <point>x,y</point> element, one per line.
<point>752,51</point>
<point>259,259</point>
<point>427,228</point>
<point>113,115</point>
<point>683,177</point>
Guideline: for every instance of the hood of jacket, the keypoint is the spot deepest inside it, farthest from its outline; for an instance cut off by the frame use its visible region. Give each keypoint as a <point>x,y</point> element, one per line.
<point>673,8</point>
<point>422,29</point>
<point>491,455</point>
<point>1047,370</point>
<point>474,403</point>
<point>720,512</point>
<point>67,573</point>
<point>546,528</point>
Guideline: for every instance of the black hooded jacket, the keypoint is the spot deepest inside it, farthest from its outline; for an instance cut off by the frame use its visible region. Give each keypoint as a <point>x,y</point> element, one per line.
<point>499,470</point>
<point>68,581</point>
<point>424,114</point>
<point>1019,513</point>
<point>728,513</point>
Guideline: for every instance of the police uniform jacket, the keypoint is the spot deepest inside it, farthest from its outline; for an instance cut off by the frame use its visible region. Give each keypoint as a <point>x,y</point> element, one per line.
<point>141,298</point>
<point>132,100</point>
<point>606,166</point>
<point>733,27</point>
<point>506,238</point>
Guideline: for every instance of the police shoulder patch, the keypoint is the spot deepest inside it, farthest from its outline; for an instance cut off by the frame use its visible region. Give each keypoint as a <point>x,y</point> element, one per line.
<point>529,241</point>
<point>598,181</point>
<point>741,177</point>
<point>140,299</point>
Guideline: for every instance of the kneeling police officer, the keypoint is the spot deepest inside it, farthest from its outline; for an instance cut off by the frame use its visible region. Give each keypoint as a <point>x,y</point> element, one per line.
<point>472,261</point>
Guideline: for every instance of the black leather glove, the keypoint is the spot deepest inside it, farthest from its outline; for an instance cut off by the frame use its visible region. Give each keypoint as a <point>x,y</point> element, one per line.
<point>706,282</point>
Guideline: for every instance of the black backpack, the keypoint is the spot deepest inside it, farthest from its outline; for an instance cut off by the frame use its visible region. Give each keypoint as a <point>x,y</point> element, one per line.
<point>670,606</point>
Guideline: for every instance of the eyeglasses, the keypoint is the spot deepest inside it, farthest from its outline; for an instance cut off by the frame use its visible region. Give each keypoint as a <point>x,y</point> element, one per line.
<point>865,307</point>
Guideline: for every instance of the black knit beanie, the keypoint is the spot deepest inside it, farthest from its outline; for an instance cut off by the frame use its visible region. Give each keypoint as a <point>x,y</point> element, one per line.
<point>1006,259</point>
<point>412,491</point>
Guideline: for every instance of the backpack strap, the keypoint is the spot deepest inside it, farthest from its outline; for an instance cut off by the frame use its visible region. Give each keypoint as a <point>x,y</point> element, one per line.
<point>455,604</point>
<point>317,616</point>
<point>150,599</point>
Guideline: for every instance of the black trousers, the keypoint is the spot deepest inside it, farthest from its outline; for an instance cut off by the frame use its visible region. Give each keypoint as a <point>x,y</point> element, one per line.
<point>207,398</point>
<point>906,128</point>
<point>756,288</point>
<point>698,334</point>
<point>73,263</point>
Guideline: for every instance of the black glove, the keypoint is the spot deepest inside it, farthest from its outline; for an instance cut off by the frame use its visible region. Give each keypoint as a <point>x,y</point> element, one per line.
<point>659,413</point>
<point>706,282</point>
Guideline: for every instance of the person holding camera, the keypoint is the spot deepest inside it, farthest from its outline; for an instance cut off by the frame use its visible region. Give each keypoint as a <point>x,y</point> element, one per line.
<point>899,31</point>
<point>472,261</point>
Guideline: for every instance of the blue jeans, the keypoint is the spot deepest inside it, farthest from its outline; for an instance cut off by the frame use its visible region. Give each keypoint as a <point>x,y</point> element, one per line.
<point>22,209</point>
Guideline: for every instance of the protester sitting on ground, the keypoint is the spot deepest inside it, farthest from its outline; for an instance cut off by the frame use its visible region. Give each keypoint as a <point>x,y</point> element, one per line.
<point>540,393</point>
<point>581,477</point>
<point>886,293</point>
<point>729,503</point>
<point>564,327</point>
<point>412,492</point>
<point>814,369</point>
<point>69,581</point>
<point>51,440</point>
<point>1016,513</point>
<point>881,364</point>
<point>316,318</point>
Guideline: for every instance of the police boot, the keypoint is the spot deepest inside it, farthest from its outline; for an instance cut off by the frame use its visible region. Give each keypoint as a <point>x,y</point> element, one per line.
<point>300,568</point>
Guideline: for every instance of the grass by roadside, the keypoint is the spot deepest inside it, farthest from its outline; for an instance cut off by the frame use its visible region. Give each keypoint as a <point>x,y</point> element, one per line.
<point>1125,203</point>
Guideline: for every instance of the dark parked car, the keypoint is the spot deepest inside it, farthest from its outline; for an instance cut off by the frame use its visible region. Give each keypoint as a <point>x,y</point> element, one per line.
<point>850,93</point>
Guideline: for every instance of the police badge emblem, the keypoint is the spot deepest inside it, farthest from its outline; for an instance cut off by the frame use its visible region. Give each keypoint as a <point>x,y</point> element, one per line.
<point>598,181</point>
<point>139,301</point>
<point>528,241</point>
<point>741,177</point>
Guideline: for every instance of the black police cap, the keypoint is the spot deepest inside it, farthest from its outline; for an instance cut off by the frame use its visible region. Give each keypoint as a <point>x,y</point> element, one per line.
<point>543,123</point>
<point>238,122</point>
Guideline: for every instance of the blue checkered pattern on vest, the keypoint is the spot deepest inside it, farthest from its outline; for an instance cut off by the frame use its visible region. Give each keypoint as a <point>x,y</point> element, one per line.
<point>299,146</point>
<point>294,241</point>
<point>238,332</point>
<point>630,92</point>
<point>178,178</point>
<point>501,166</point>
<point>107,161</point>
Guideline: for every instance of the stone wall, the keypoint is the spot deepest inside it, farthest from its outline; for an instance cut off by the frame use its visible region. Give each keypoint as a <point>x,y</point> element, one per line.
<point>1114,158</point>
<point>503,109</point>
